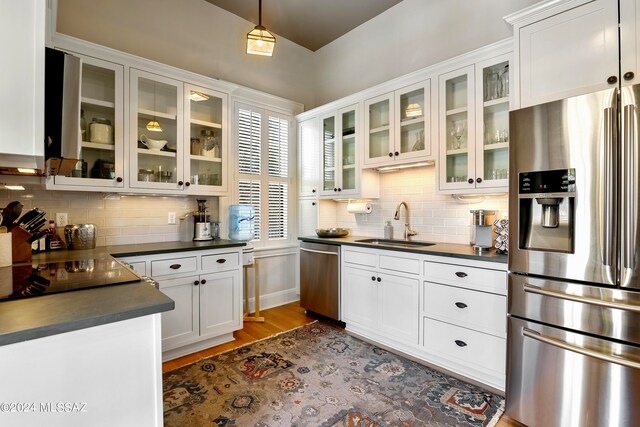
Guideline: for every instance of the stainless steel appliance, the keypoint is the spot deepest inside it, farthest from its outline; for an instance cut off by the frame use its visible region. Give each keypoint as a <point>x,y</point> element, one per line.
<point>482,229</point>
<point>574,290</point>
<point>202,228</point>
<point>320,279</point>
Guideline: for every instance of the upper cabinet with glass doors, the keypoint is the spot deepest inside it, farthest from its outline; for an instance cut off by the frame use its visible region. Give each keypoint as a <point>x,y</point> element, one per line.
<point>474,127</point>
<point>178,136</point>
<point>341,175</point>
<point>205,164</point>
<point>101,145</point>
<point>398,126</point>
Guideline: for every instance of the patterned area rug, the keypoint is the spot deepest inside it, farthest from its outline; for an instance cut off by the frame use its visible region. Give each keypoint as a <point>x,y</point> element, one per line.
<point>320,376</point>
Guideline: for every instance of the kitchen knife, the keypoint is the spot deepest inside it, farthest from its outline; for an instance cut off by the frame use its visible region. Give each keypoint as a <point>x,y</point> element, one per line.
<point>29,216</point>
<point>35,226</point>
<point>38,235</point>
<point>35,219</point>
<point>11,213</point>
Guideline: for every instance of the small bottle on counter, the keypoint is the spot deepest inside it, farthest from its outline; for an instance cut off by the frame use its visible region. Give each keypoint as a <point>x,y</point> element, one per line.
<point>54,242</point>
<point>388,230</point>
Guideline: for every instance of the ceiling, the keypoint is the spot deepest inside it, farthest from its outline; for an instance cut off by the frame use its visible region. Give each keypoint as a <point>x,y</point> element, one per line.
<point>309,23</point>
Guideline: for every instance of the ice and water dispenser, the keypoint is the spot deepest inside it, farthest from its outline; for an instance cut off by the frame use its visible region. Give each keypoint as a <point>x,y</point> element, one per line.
<point>546,209</point>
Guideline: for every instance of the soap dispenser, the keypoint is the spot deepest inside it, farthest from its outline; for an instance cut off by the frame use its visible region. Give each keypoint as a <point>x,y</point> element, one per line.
<point>388,230</point>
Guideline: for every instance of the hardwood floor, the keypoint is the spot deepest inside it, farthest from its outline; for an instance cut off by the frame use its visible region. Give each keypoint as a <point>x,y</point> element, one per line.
<point>278,319</point>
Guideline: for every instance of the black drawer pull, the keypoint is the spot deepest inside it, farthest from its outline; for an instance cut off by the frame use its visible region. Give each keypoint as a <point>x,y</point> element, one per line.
<point>203,281</point>
<point>221,260</point>
<point>461,305</point>
<point>461,343</point>
<point>373,278</point>
<point>175,266</point>
<point>461,274</point>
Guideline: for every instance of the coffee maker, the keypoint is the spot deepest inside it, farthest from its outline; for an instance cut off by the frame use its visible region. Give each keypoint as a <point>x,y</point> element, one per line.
<point>202,227</point>
<point>482,229</point>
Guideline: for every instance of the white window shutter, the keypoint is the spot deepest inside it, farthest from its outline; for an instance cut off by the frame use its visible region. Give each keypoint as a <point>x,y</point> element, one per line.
<point>278,210</point>
<point>249,194</point>
<point>249,141</point>
<point>278,147</point>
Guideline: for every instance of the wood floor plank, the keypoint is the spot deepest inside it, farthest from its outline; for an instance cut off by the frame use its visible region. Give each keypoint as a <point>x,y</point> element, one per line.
<point>278,319</point>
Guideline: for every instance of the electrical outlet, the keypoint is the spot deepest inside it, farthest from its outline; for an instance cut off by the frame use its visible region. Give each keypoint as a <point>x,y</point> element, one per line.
<point>171,218</point>
<point>61,219</point>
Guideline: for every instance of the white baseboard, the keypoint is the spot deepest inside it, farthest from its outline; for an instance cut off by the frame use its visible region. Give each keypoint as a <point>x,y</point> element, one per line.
<point>275,299</point>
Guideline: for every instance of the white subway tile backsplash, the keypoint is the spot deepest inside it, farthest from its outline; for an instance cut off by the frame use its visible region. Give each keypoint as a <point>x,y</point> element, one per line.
<point>121,220</point>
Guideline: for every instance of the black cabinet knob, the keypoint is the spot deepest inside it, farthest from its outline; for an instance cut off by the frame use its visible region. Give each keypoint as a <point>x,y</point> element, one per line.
<point>470,180</point>
<point>203,281</point>
<point>373,278</point>
<point>460,343</point>
<point>313,203</point>
<point>339,189</point>
<point>119,179</point>
<point>180,182</point>
<point>335,189</point>
<point>186,184</point>
<point>628,75</point>
<point>313,191</point>
<point>612,79</point>
<point>379,279</point>
<point>390,154</point>
<point>461,305</point>
<point>478,180</point>
<point>196,283</point>
<point>461,274</point>
<point>396,153</point>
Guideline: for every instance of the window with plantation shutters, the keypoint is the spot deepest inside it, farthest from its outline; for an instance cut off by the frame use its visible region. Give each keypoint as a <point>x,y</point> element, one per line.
<point>263,144</point>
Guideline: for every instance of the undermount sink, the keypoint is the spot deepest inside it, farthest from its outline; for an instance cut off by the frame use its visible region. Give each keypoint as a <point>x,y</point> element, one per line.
<point>391,242</point>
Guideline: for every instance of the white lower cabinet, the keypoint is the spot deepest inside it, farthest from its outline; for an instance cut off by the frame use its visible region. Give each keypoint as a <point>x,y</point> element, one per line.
<point>206,287</point>
<point>450,312</point>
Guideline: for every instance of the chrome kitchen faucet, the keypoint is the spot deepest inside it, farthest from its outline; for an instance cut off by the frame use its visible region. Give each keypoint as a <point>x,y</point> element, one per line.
<point>408,232</point>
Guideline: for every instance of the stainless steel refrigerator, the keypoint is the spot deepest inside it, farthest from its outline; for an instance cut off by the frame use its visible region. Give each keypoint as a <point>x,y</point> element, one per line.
<point>574,261</point>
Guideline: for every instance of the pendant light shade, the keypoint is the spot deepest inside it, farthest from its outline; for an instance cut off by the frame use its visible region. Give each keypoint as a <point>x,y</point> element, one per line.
<point>154,126</point>
<point>259,40</point>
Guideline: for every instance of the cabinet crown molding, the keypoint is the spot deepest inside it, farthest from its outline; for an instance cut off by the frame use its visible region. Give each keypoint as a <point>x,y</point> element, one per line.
<point>541,10</point>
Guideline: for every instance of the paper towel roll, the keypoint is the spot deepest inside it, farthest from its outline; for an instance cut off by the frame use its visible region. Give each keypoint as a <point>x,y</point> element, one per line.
<point>361,208</point>
<point>5,250</point>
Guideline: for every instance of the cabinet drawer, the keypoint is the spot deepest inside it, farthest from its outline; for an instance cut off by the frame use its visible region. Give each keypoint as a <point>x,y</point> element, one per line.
<point>481,279</point>
<point>484,352</point>
<point>164,267</point>
<point>400,264</point>
<point>475,310</point>
<point>219,262</point>
<point>361,258</point>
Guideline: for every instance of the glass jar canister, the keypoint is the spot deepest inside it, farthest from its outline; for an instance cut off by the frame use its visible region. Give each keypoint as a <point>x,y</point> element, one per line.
<point>101,131</point>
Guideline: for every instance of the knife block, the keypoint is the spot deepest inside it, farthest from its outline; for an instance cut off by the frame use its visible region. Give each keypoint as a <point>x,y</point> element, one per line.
<point>20,248</point>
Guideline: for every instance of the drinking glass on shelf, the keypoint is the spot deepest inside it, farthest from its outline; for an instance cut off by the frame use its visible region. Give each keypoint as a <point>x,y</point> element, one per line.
<point>491,89</point>
<point>457,132</point>
<point>504,135</point>
<point>503,78</point>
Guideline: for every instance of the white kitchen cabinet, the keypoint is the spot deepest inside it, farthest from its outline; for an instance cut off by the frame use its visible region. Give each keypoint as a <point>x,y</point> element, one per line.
<point>206,287</point>
<point>474,127</point>
<point>308,216</point>
<point>376,301</point>
<point>308,158</point>
<point>341,174</point>
<point>629,46</point>
<point>570,48</point>
<point>398,126</point>
<point>101,161</point>
<point>22,38</point>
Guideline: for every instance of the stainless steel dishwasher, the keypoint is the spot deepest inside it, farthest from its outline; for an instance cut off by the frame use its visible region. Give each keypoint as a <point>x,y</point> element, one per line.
<point>320,279</point>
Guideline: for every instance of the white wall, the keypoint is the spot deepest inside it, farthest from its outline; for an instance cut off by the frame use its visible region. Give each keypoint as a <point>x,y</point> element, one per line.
<point>193,35</point>
<point>411,35</point>
<point>436,217</point>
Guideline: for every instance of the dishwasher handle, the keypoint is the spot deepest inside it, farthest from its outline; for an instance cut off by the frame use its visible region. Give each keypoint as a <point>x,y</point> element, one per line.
<point>319,252</point>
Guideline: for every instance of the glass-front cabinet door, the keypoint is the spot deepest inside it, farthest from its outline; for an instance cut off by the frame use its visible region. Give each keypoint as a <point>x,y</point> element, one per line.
<point>412,130</point>
<point>379,130</point>
<point>101,145</point>
<point>329,153</point>
<point>348,159</point>
<point>492,123</point>
<point>156,132</point>
<point>457,129</point>
<point>205,159</point>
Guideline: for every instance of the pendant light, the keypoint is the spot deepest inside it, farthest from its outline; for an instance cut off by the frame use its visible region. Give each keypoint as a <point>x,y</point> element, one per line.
<point>259,40</point>
<point>153,125</point>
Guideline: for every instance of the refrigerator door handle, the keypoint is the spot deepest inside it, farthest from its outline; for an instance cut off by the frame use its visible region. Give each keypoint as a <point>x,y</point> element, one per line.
<point>531,289</point>
<point>629,196</point>
<point>606,232</point>
<point>580,350</point>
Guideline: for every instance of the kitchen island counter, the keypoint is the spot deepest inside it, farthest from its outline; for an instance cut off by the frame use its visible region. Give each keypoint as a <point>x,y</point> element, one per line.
<point>440,249</point>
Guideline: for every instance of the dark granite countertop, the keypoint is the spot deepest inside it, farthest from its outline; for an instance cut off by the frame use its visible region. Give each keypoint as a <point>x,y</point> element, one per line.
<point>440,249</point>
<point>41,316</point>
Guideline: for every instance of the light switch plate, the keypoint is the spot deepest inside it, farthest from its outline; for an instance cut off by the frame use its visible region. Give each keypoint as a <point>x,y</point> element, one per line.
<point>171,218</point>
<point>61,219</point>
